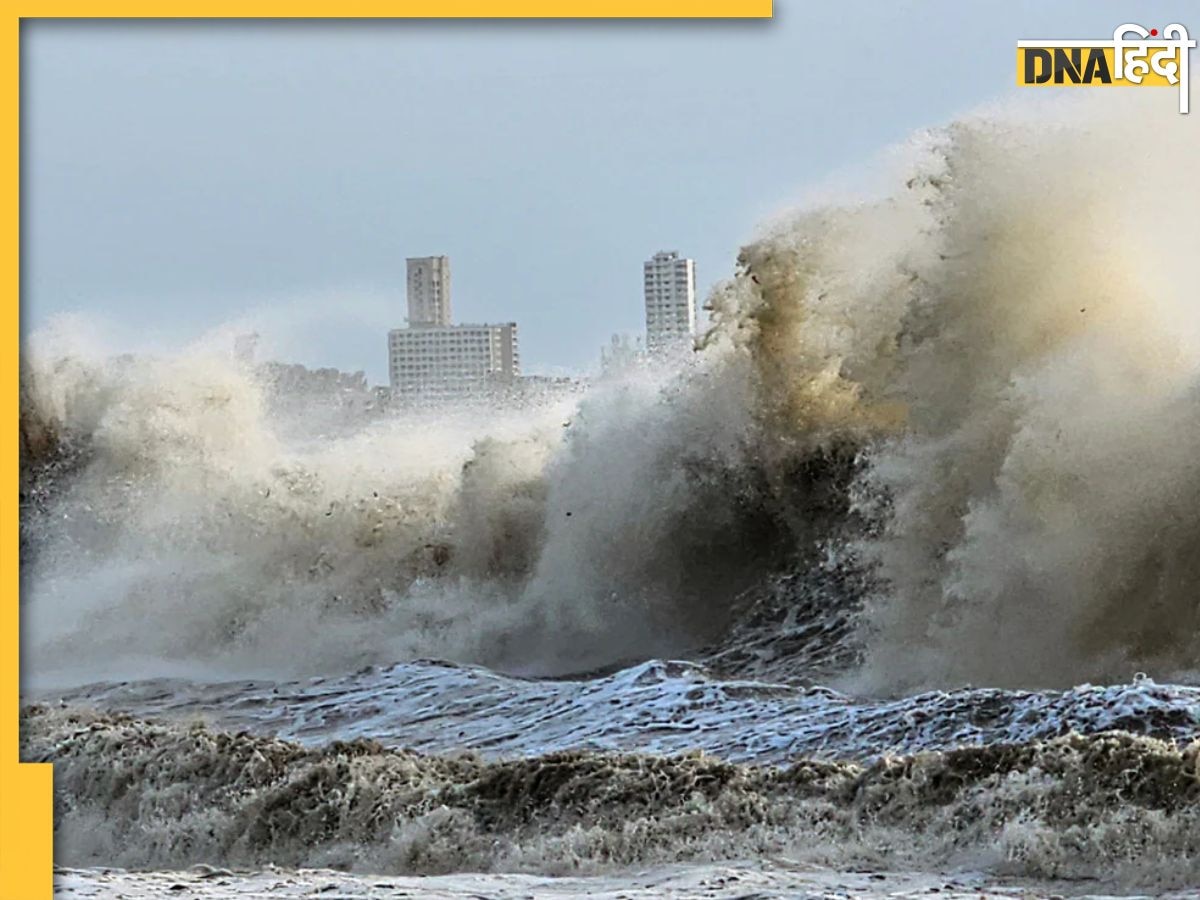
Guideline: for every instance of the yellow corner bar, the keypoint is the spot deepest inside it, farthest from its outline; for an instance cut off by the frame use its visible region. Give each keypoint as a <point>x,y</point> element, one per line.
<point>26,800</point>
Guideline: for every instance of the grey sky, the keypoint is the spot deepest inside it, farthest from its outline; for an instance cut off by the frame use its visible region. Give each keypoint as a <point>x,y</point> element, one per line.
<point>177,175</point>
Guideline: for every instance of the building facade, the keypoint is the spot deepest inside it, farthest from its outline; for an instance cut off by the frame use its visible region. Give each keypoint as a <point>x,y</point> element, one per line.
<point>670,290</point>
<point>428,291</point>
<point>453,360</point>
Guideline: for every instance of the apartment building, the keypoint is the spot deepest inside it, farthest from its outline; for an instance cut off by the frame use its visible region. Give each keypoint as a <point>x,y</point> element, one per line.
<point>453,360</point>
<point>669,283</point>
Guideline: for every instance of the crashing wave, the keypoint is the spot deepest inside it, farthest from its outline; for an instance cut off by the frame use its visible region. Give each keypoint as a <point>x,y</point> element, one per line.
<point>964,415</point>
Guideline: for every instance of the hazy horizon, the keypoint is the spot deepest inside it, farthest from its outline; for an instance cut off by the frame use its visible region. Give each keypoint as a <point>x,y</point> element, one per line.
<point>182,176</point>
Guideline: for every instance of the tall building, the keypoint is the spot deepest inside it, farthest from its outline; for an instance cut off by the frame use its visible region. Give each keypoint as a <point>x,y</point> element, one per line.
<point>428,291</point>
<point>433,357</point>
<point>670,289</point>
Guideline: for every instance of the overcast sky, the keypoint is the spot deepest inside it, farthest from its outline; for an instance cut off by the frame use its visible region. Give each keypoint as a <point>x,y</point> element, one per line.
<point>181,176</point>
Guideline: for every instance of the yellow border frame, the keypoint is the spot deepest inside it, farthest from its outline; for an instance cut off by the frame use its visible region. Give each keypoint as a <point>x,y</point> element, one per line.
<point>26,789</point>
<point>26,794</point>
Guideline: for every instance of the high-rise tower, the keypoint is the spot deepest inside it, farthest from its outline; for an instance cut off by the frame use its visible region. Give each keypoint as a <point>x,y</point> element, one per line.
<point>670,288</point>
<point>428,291</point>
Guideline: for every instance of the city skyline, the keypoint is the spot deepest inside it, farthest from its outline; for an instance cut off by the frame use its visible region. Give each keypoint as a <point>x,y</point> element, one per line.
<point>432,355</point>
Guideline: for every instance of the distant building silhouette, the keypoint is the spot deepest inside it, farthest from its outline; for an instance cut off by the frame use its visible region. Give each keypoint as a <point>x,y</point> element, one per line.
<point>428,291</point>
<point>669,283</point>
<point>434,358</point>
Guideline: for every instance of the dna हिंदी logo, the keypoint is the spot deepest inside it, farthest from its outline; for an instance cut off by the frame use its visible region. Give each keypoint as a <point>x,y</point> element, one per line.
<point>1145,60</point>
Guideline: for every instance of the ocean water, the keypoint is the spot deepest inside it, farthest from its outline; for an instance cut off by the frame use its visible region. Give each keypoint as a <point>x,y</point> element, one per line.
<point>891,588</point>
